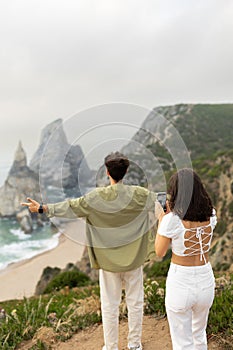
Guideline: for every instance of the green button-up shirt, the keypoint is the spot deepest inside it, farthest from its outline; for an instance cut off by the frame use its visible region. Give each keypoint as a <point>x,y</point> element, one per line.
<point>119,228</point>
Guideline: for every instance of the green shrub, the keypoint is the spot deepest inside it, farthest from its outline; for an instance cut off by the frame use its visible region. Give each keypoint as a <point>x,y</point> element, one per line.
<point>213,249</point>
<point>220,317</point>
<point>221,227</point>
<point>74,278</point>
<point>230,208</point>
<point>154,297</point>
<point>158,269</point>
<point>214,171</point>
<point>222,266</point>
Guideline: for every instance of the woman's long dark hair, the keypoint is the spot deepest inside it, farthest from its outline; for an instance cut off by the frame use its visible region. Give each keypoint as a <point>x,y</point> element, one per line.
<point>188,197</point>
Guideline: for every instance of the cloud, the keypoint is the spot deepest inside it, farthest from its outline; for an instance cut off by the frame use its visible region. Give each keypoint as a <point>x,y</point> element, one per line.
<point>113,46</point>
<point>59,57</point>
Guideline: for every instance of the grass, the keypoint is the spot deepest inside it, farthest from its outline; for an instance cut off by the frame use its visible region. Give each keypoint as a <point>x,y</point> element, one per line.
<point>62,312</point>
<point>25,317</point>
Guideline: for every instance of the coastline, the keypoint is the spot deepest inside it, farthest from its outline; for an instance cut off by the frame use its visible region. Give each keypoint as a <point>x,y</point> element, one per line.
<point>19,280</point>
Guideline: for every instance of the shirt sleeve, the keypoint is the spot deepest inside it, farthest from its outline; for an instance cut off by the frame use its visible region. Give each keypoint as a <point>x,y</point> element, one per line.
<point>213,219</point>
<point>169,226</point>
<point>151,199</point>
<point>69,209</point>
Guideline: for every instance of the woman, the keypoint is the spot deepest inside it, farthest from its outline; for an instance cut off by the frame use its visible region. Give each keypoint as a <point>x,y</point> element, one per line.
<point>188,226</point>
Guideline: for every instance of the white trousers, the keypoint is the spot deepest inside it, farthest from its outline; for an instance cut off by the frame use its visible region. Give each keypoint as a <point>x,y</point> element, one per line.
<point>189,296</point>
<point>110,294</point>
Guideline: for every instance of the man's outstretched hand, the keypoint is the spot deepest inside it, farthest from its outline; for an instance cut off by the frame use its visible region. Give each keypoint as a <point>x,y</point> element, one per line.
<point>32,205</point>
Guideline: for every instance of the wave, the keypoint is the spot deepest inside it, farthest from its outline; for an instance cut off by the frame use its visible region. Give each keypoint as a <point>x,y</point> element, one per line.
<point>27,247</point>
<point>20,233</point>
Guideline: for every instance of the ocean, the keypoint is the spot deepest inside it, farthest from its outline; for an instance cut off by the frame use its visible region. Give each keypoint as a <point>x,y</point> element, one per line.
<point>16,246</point>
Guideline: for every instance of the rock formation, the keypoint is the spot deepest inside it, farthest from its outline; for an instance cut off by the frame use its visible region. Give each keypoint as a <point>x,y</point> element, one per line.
<point>47,275</point>
<point>25,220</point>
<point>21,181</point>
<point>167,137</point>
<point>61,167</point>
<point>85,266</point>
<point>57,170</point>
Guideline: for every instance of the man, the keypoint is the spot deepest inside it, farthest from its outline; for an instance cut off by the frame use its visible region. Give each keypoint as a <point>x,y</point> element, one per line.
<point>120,240</point>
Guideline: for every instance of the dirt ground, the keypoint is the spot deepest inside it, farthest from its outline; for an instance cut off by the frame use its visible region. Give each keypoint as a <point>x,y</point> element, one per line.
<point>155,337</point>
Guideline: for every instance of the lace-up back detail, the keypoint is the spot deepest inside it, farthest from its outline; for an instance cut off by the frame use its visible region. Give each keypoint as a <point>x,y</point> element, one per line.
<point>197,240</point>
<point>188,241</point>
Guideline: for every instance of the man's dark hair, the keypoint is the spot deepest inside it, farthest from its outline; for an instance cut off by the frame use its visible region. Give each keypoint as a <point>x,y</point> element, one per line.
<point>188,197</point>
<point>117,165</point>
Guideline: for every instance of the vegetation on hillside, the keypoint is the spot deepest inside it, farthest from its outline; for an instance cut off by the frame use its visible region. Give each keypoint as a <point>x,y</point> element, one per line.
<point>207,133</point>
<point>61,314</point>
<point>206,128</point>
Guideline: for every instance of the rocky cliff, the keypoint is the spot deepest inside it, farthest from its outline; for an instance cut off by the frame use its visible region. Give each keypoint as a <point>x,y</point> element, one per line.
<point>172,134</point>
<point>57,170</point>
<point>199,136</point>
<point>21,181</point>
<point>62,167</point>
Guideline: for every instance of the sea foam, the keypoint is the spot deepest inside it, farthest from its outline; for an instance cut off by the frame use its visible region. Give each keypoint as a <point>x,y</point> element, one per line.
<point>20,246</point>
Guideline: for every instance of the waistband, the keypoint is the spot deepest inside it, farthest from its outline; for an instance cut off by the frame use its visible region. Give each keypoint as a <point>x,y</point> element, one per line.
<point>190,269</point>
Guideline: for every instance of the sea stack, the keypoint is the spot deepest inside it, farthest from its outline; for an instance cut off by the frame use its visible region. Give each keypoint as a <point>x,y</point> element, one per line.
<point>61,167</point>
<point>20,183</point>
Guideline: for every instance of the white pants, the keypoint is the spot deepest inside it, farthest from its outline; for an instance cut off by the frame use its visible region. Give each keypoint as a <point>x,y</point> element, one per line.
<point>189,296</point>
<point>110,294</point>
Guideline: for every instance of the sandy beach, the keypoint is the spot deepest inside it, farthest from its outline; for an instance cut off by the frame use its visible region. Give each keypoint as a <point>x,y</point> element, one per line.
<point>20,279</point>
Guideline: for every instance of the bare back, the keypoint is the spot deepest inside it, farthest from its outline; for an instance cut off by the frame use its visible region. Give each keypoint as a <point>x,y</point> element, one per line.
<point>197,238</point>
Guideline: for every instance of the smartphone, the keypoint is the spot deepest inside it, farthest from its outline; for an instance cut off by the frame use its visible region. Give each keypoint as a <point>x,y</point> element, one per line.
<point>162,197</point>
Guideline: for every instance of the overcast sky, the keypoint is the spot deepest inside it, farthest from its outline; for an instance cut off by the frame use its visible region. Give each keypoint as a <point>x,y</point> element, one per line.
<point>59,57</point>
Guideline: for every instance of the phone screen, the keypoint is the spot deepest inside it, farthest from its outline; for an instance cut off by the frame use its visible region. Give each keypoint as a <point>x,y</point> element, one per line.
<point>162,197</point>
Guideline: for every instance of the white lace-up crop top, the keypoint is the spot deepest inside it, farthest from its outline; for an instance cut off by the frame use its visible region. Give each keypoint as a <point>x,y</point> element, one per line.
<point>187,241</point>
